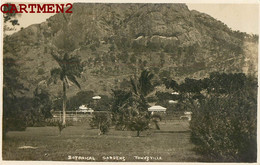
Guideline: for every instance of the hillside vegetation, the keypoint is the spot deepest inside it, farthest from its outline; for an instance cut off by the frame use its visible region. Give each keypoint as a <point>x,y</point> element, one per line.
<point>116,41</point>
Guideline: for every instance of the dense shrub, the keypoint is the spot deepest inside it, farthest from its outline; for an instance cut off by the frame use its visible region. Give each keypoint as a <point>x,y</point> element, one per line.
<point>14,124</point>
<point>139,124</point>
<point>224,127</point>
<point>129,109</point>
<point>102,121</point>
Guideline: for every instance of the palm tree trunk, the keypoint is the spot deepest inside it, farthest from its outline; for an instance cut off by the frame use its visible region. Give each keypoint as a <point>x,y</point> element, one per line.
<point>99,133</point>
<point>64,103</point>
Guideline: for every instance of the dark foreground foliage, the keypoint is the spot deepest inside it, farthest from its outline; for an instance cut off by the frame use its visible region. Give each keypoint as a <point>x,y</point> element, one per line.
<point>224,124</point>
<point>20,111</point>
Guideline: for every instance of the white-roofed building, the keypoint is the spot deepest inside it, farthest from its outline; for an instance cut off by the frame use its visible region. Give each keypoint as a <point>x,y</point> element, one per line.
<point>157,108</point>
<point>187,115</point>
<point>173,101</point>
<point>85,109</point>
<point>175,93</point>
<point>96,98</point>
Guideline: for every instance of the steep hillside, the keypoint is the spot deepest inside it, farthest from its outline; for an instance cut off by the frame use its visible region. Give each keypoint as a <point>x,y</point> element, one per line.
<point>116,41</point>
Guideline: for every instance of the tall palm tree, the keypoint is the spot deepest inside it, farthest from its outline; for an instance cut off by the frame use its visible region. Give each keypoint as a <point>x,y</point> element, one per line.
<point>69,68</point>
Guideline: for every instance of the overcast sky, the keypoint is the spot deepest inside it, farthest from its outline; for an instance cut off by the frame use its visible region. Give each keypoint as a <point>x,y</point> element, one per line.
<point>242,17</point>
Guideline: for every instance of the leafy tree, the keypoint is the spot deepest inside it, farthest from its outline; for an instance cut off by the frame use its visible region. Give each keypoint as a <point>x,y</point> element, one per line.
<point>42,102</point>
<point>102,121</point>
<point>163,98</point>
<point>125,84</point>
<point>223,107</point>
<point>9,18</point>
<point>69,68</point>
<point>139,118</point>
<point>33,110</point>
<point>223,83</point>
<point>121,100</point>
<point>169,83</point>
<point>223,124</point>
<point>81,98</point>
<point>13,115</point>
<point>224,128</point>
<point>11,81</point>
<point>132,109</point>
<point>191,86</point>
<point>103,104</point>
<point>189,92</point>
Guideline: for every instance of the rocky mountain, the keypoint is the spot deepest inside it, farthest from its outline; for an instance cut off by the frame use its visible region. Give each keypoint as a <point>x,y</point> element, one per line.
<point>116,41</point>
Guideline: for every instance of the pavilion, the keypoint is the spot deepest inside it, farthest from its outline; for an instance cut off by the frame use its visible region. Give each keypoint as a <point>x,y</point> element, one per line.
<point>157,108</point>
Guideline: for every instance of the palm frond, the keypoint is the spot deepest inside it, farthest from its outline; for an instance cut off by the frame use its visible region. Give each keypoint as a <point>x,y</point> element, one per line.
<point>145,86</point>
<point>73,79</point>
<point>55,74</point>
<point>150,76</point>
<point>67,81</point>
<point>134,87</point>
<point>73,65</point>
<point>57,58</point>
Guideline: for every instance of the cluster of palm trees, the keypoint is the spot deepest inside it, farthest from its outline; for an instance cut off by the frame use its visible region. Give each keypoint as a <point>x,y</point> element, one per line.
<point>70,68</point>
<point>130,107</point>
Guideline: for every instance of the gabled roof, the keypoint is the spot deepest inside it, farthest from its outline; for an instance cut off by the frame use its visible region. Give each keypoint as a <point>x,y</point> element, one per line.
<point>157,108</point>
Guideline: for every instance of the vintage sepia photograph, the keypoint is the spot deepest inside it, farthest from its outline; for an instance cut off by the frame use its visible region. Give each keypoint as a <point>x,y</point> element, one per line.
<point>129,82</point>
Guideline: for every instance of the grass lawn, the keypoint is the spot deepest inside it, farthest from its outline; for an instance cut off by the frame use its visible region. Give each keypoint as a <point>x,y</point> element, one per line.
<point>171,143</point>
